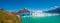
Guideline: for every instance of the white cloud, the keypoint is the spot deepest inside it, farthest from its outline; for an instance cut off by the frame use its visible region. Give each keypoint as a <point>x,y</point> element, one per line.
<point>13,10</point>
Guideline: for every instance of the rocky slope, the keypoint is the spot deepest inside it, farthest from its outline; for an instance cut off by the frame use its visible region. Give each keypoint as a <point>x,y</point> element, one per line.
<point>7,17</point>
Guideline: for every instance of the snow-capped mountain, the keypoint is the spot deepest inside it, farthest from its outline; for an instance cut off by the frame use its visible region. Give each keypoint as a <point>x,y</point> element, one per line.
<point>56,10</point>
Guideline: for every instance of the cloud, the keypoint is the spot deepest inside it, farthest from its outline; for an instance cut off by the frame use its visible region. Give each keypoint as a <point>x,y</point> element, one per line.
<point>12,10</point>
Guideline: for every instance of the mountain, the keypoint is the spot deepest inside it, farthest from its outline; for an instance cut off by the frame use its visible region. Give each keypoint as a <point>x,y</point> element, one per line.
<point>57,10</point>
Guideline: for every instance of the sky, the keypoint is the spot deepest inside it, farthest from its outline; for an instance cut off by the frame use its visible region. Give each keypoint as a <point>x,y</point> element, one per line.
<point>29,4</point>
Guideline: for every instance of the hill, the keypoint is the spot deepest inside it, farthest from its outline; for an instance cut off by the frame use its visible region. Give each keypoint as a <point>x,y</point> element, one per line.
<point>7,17</point>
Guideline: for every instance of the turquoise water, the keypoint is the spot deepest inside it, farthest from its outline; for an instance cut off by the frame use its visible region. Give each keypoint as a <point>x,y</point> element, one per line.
<point>48,19</point>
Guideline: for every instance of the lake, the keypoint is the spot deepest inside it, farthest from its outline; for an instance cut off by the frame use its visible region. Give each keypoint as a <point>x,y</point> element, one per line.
<point>47,19</point>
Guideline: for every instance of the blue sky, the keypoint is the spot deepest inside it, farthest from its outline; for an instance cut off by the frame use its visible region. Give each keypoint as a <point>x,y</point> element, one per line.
<point>30,4</point>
